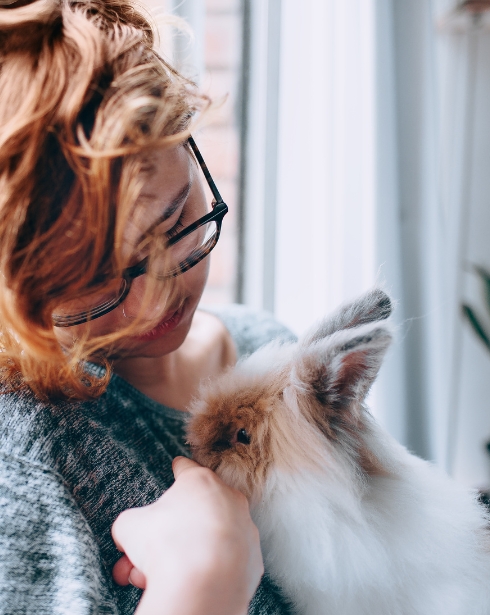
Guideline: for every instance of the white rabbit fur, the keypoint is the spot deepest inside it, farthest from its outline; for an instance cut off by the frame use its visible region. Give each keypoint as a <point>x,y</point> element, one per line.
<point>350,522</point>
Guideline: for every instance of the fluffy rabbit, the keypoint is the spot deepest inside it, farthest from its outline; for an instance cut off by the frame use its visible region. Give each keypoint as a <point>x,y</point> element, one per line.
<point>351,523</point>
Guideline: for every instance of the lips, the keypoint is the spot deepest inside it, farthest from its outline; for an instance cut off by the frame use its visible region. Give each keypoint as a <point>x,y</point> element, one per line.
<point>167,324</point>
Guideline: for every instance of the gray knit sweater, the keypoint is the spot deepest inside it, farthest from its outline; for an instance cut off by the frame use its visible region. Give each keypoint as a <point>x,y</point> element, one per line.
<point>68,469</point>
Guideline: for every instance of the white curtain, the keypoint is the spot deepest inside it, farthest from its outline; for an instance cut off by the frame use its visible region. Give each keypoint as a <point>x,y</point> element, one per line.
<point>437,86</point>
<point>310,186</point>
<point>379,169</point>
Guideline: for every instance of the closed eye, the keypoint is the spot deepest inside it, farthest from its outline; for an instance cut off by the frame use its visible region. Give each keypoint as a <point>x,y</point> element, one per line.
<point>177,227</point>
<point>145,245</point>
<point>179,201</point>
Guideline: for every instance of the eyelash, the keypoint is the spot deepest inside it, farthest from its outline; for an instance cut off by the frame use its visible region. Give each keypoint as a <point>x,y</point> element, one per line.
<point>177,227</point>
<point>175,230</point>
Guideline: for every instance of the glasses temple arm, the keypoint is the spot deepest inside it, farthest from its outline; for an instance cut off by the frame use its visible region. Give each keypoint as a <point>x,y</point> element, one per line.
<point>207,174</point>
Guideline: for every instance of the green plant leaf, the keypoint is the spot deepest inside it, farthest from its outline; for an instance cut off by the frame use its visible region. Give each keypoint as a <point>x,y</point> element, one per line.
<point>478,328</point>
<point>485,279</point>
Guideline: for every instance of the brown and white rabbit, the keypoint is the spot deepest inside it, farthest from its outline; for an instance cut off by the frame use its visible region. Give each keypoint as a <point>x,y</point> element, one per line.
<point>351,523</point>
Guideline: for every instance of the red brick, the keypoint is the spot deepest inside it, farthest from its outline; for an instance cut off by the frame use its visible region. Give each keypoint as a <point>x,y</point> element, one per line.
<point>222,41</point>
<point>220,148</point>
<point>222,87</point>
<point>223,6</point>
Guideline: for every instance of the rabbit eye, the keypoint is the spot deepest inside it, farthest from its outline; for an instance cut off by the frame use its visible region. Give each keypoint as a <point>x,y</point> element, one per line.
<point>242,436</point>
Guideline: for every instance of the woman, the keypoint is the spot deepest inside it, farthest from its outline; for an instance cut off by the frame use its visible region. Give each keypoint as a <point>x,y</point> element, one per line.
<point>104,236</point>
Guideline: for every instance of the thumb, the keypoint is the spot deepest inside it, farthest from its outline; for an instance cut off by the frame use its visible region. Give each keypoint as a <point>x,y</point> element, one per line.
<point>181,464</point>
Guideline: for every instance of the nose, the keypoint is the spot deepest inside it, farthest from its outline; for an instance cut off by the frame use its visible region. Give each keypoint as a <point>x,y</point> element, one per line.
<point>147,299</point>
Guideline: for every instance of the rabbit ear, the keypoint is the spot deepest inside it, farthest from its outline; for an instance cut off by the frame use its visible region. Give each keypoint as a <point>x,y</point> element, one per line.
<point>371,307</point>
<point>340,369</point>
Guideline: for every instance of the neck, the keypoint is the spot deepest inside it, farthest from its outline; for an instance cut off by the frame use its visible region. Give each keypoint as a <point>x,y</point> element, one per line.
<point>143,372</point>
<point>173,379</point>
<point>160,378</point>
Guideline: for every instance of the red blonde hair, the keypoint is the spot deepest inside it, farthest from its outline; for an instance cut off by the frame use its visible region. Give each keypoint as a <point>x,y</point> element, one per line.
<point>84,97</point>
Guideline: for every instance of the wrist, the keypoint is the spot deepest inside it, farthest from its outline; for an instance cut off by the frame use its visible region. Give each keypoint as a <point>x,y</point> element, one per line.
<point>200,594</point>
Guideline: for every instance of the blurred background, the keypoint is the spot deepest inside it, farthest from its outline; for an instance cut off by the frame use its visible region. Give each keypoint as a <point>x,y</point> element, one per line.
<point>352,144</point>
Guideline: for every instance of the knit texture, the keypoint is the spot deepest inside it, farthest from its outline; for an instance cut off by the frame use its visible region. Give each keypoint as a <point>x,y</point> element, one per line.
<point>66,472</point>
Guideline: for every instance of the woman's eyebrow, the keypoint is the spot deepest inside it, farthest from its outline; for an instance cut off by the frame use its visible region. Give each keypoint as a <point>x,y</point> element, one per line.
<point>174,204</point>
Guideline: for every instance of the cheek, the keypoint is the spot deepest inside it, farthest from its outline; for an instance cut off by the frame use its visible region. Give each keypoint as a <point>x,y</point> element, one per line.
<point>194,280</point>
<point>104,325</point>
<point>188,285</point>
<point>65,336</point>
<point>245,473</point>
<point>155,306</point>
<point>235,474</point>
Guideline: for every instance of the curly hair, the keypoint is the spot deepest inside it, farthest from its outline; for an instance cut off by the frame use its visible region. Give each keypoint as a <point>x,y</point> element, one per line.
<point>84,97</point>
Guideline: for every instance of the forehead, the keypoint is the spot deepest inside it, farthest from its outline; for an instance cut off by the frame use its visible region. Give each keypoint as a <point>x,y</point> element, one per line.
<point>166,170</point>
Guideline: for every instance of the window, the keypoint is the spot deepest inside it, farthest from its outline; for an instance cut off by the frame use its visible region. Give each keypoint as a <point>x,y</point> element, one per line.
<point>212,57</point>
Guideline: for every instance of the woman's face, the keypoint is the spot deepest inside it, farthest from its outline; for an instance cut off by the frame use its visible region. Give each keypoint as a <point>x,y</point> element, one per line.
<point>172,193</point>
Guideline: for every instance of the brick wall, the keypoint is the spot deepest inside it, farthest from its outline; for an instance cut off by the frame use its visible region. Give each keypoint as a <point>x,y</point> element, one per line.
<point>219,142</point>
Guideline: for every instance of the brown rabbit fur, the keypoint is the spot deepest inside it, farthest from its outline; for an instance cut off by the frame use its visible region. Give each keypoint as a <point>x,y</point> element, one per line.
<point>350,522</point>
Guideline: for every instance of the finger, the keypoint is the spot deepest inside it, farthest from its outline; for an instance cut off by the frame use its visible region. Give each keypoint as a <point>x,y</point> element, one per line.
<point>181,464</point>
<point>123,526</point>
<point>121,571</point>
<point>117,530</point>
<point>137,578</point>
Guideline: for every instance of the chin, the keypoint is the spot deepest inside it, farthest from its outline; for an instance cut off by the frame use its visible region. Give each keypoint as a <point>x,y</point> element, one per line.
<point>164,345</point>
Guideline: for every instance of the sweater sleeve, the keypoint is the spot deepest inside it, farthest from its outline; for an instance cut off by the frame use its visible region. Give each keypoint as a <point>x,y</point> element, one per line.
<point>50,560</point>
<point>268,600</point>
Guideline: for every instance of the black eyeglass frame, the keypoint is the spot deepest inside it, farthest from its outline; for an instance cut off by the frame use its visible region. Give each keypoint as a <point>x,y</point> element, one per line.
<point>220,209</point>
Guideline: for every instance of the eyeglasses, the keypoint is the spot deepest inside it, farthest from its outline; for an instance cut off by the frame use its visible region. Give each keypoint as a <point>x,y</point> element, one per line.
<point>182,252</point>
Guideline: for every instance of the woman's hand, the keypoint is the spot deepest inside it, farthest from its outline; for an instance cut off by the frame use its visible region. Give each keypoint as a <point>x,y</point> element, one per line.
<point>195,550</point>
